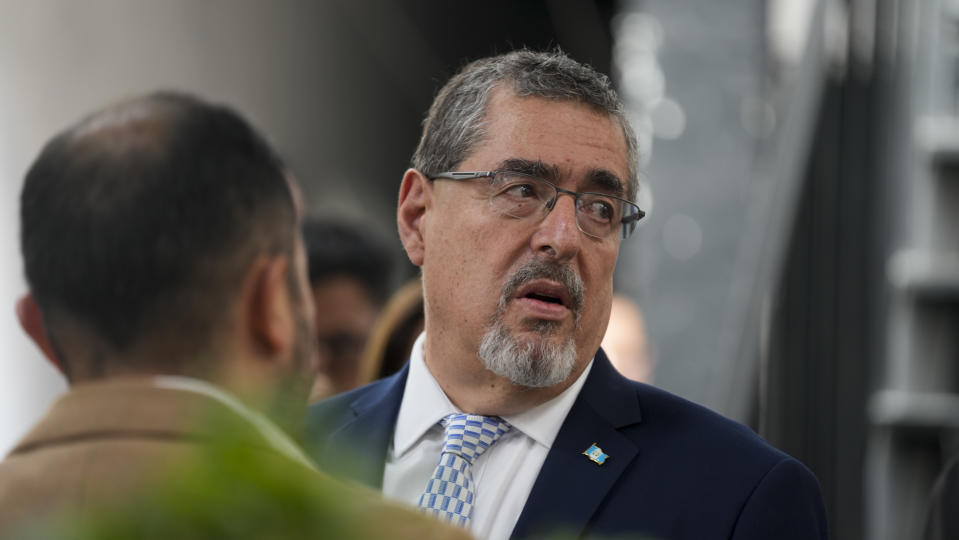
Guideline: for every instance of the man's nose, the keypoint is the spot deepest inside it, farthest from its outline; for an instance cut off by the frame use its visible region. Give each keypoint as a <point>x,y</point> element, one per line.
<point>557,235</point>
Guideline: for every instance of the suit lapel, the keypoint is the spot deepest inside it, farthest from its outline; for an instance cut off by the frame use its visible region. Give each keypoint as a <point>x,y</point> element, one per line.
<point>364,441</point>
<point>570,486</point>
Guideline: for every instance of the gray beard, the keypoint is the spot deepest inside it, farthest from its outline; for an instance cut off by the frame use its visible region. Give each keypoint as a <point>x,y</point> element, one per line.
<point>537,363</point>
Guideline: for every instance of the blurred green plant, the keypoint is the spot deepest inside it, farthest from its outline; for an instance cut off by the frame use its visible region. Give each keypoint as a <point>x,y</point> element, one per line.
<point>231,490</point>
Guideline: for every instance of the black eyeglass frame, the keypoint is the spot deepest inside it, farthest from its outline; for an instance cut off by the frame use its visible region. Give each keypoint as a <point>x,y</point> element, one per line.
<point>628,222</point>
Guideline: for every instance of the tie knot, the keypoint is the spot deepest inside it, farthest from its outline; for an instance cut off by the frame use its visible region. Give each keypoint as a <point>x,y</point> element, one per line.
<point>469,435</point>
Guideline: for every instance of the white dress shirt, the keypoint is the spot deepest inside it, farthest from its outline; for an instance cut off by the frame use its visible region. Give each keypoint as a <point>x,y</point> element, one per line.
<point>503,475</point>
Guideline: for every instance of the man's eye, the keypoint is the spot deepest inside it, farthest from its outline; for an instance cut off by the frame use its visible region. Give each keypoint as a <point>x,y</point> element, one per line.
<point>520,191</point>
<point>599,210</point>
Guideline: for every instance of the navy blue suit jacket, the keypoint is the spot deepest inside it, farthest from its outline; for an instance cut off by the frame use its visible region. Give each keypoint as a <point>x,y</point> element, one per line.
<point>675,469</point>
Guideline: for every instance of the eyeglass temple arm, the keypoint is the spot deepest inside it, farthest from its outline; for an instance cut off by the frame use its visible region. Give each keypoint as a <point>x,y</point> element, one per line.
<point>469,175</point>
<point>629,223</point>
<point>635,217</point>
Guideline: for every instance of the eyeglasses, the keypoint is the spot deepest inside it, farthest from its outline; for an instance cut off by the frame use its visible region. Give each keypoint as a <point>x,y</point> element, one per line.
<point>521,196</point>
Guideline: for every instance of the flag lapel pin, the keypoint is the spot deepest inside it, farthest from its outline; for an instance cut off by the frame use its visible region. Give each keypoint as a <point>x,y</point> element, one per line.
<point>595,454</point>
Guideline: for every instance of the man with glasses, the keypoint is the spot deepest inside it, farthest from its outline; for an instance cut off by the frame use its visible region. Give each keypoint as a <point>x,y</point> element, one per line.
<point>509,420</point>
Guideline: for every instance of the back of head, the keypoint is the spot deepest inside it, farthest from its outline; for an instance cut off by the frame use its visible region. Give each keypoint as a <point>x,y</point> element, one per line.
<point>456,121</point>
<point>138,222</point>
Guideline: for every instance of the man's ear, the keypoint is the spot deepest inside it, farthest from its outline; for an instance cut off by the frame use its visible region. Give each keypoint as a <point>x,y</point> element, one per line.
<point>31,320</point>
<point>414,200</point>
<point>268,307</point>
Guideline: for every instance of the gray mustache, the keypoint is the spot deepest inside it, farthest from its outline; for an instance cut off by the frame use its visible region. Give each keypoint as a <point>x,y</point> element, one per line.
<point>540,269</point>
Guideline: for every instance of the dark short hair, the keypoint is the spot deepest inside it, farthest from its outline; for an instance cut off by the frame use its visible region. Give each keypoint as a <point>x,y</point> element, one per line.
<point>338,248</point>
<point>143,218</point>
<point>456,121</point>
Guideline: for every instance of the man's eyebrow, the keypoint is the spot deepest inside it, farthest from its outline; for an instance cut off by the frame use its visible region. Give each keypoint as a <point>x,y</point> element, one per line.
<point>605,182</point>
<point>531,167</point>
<point>599,180</point>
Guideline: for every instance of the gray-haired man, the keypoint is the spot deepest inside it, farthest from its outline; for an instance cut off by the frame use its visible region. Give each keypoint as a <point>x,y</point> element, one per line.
<point>509,419</point>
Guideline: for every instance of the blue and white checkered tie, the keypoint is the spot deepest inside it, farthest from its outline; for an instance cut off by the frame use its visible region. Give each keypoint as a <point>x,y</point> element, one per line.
<point>450,492</point>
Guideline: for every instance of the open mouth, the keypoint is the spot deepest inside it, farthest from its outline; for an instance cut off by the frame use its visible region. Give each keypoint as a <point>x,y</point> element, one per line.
<point>545,298</point>
<point>544,290</point>
<point>546,294</point>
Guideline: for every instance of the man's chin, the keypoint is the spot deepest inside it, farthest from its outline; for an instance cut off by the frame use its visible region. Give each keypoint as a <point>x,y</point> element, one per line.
<point>536,341</point>
<point>537,334</point>
<point>542,328</point>
<point>528,357</point>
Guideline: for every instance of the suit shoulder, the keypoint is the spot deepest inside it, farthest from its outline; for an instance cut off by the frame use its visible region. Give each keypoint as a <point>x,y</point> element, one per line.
<point>672,417</point>
<point>326,417</point>
<point>333,405</point>
<point>339,408</point>
<point>688,443</point>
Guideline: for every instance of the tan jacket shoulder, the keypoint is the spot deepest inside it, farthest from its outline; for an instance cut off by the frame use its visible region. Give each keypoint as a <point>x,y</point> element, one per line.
<point>123,451</point>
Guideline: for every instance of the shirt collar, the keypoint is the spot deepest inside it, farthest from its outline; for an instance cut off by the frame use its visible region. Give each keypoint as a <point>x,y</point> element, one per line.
<point>542,422</point>
<point>425,404</point>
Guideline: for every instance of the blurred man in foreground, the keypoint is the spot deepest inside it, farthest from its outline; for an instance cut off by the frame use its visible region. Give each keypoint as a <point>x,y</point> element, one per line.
<point>168,283</point>
<point>509,419</point>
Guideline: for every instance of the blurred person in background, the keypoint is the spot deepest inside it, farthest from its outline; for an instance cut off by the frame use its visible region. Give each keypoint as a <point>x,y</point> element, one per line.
<point>626,343</point>
<point>168,283</point>
<point>508,419</point>
<point>350,276</point>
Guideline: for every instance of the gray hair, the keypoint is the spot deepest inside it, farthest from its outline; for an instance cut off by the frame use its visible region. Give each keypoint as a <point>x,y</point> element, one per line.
<point>456,122</point>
